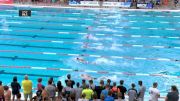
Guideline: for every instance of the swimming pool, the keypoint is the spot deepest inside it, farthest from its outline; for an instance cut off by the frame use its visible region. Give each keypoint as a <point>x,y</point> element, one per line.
<point>114,44</point>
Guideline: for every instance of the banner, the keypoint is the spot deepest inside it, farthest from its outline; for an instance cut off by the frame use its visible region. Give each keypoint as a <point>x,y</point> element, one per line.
<point>141,5</point>
<point>89,3</point>
<point>6,1</point>
<point>96,3</point>
<point>111,4</point>
<point>117,4</point>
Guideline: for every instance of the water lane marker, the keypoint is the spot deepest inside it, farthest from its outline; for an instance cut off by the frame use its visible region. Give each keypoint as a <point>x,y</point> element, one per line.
<point>99,44</point>
<point>92,71</point>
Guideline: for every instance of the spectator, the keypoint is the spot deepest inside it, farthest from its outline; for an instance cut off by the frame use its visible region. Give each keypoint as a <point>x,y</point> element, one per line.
<point>71,97</point>
<point>39,94</point>
<point>15,86</point>
<point>105,91</point>
<point>27,88</point>
<point>69,79</point>
<point>173,95</point>
<point>132,93</point>
<point>64,97</point>
<point>59,88</point>
<point>175,3</point>
<point>7,93</point>
<point>142,90</point>
<point>88,92</point>
<point>83,86</point>
<point>51,90</point>
<point>78,91</point>
<point>95,97</point>
<point>123,89</point>
<point>98,89</point>
<point>1,92</point>
<point>102,97</point>
<point>18,97</point>
<point>83,98</point>
<point>68,90</point>
<point>51,79</point>
<point>109,97</point>
<point>91,85</point>
<point>109,83</point>
<point>39,85</point>
<point>44,94</point>
<point>119,97</point>
<point>154,92</point>
<point>115,90</point>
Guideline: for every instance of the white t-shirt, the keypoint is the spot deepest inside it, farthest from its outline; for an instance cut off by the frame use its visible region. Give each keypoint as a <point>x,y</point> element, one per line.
<point>154,94</point>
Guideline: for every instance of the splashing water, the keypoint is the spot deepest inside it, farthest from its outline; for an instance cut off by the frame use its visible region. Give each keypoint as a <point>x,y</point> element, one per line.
<point>115,48</point>
<point>4,25</point>
<point>113,78</point>
<point>91,37</point>
<point>105,29</point>
<point>104,61</point>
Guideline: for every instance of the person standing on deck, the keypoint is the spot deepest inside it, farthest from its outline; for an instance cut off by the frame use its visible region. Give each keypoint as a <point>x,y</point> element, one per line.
<point>141,92</point>
<point>173,95</point>
<point>1,92</point>
<point>123,89</point>
<point>15,88</point>
<point>154,92</point>
<point>27,88</point>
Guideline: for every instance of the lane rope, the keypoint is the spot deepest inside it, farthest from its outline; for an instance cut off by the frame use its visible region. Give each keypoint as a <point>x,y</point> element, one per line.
<point>94,56</point>
<point>92,71</point>
<point>98,44</point>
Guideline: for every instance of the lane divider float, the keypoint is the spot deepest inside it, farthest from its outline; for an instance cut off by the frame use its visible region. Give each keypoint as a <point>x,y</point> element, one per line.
<point>98,44</point>
<point>91,71</point>
<point>92,56</point>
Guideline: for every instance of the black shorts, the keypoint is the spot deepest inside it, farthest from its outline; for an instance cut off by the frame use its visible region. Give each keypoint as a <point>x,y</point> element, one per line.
<point>15,92</point>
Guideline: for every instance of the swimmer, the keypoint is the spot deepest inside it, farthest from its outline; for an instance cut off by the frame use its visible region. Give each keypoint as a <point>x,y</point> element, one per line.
<point>89,28</point>
<point>34,36</point>
<point>85,45</point>
<point>86,77</point>
<point>81,60</point>
<point>176,60</point>
<point>89,36</point>
<point>14,58</point>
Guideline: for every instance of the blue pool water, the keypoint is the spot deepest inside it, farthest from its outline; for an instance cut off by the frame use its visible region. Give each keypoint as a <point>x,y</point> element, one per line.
<point>115,44</point>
